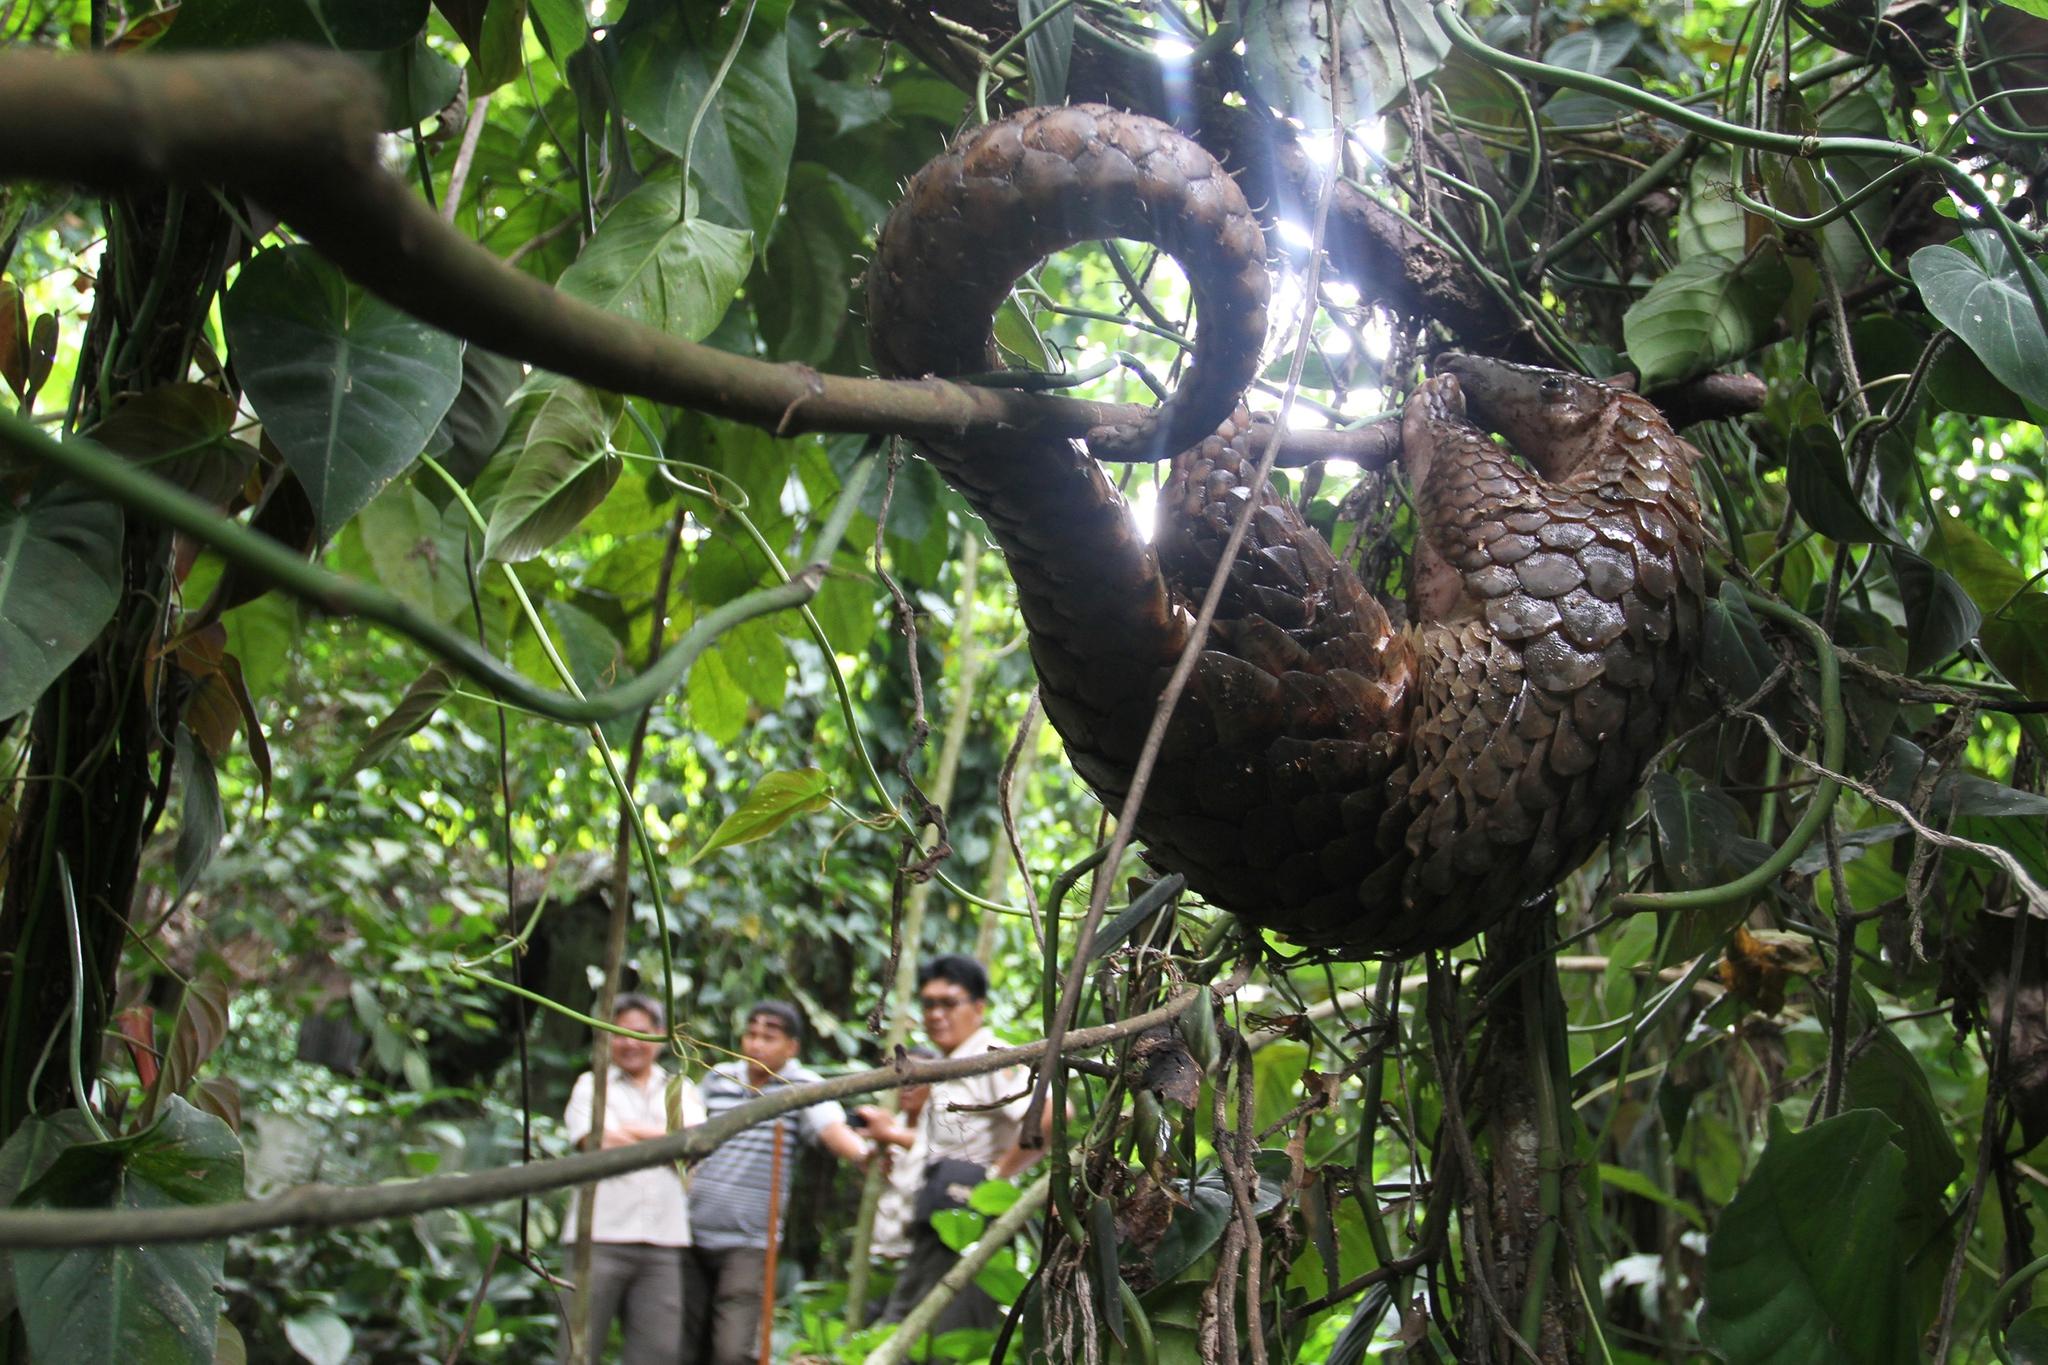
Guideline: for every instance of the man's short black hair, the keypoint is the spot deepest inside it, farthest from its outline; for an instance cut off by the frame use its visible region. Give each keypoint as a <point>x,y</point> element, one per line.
<point>958,968</point>
<point>646,1004</point>
<point>782,1012</point>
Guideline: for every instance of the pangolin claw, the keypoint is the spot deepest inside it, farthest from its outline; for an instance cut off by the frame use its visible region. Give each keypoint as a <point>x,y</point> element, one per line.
<point>1356,786</point>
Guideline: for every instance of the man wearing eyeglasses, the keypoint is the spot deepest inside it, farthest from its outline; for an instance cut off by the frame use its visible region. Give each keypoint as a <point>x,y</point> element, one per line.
<point>966,1133</point>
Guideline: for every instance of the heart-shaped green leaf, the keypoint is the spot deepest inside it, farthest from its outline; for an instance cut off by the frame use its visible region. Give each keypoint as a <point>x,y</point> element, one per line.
<point>1817,478</point>
<point>417,550</point>
<point>1979,295</point>
<point>736,125</point>
<point>349,388</point>
<point>180,432</point>
<point>654,264</point>
<point>1940,617</point>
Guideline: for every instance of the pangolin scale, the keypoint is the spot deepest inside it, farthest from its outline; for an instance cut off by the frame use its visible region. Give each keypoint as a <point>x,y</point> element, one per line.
<point>1354,784</point>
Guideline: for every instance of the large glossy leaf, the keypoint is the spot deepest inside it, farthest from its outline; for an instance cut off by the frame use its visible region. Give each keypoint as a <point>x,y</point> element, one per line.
<point>1287,48</point>
<point>718,702</point>
<point>655,264</point>
<point>564,23</point>
<point>1734,653</point>
<point>418,83</point>
<point>477,419</point>
<point>1710,222</point>
<point>1885,1076</point>
<point>1195,1227</point>
<point>845,607</point>
<point>2015,628</point>
<point>140,1305</point>
<point>759,661</point>
<point>594,656</point>
<point>349,388</point>
<point>1955,791</point>
<point>60,579</point>
<point>1978,294</point>
<point>1803,1269</point>
<point>1817,479</point>
<point>1597,49</point>
<point>664,61</point>
<point>24,1157</point>
<point>1960,382</point>
<point>564,468</point>
<point>1705,310</point>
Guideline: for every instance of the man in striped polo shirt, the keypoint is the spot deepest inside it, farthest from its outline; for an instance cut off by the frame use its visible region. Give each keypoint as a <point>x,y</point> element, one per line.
<point>730,1221</point>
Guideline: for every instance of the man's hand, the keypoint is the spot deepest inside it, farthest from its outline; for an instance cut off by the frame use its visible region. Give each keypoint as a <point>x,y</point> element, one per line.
<point>883,1128</point>
<point>843,1142</point>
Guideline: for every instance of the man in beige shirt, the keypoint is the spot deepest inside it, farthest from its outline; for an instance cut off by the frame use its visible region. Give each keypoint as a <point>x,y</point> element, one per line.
<point>967,1132</point>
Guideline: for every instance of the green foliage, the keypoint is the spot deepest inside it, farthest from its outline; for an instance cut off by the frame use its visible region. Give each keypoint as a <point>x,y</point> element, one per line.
<point>1705,310</point>
<point>1802,1264</point>
<point>775,800</point>
<point>1980,295</point>
<point>348,853</point>
<point>148,1304</point>
<point>348,387</point>
<point>654,262</point>
<point>60,581</point>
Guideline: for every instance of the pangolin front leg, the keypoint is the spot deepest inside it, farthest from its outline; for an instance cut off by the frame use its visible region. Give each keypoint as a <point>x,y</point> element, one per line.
<point>1354,786</point>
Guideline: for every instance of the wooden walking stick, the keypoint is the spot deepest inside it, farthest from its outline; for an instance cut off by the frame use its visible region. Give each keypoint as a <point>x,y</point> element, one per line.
<point>774,1245</point>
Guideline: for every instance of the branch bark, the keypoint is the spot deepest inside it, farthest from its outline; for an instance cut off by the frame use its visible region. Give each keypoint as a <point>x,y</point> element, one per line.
<point>295,129</point>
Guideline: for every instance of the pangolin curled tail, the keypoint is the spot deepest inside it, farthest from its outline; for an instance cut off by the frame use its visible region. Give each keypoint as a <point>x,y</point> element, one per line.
<point>1356,785</point>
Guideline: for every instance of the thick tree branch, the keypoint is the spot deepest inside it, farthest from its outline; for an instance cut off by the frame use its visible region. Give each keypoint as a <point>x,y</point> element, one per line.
<point>295,129</point>
<point>331,1206</point>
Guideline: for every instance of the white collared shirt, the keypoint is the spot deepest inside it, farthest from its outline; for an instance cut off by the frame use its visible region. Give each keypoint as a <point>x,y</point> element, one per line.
<point>645,1206</point>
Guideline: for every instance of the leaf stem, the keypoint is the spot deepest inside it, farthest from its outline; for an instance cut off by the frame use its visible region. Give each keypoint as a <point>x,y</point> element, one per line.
<point>1833,742</point>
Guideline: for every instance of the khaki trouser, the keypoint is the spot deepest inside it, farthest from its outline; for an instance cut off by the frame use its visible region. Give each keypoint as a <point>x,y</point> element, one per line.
<point>641,1284</point>
<point>722,1305</point>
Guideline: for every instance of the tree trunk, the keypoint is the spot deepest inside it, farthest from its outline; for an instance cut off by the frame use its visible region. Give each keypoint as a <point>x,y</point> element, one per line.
<point>102,740</point>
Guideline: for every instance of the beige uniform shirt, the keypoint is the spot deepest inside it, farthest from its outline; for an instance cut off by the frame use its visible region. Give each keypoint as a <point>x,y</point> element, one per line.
<point>645,1206</point>
<point>957,1125</point>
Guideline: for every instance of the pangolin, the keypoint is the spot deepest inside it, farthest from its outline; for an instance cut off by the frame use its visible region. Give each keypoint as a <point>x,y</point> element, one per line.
<point>1356,785</point>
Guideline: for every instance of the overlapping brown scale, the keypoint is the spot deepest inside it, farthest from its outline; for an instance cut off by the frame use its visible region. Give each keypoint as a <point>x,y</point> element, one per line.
<point>1355,787</point>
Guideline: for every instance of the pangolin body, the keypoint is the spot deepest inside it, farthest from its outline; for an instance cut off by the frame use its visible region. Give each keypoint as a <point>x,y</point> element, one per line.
<point>1355,785</point>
